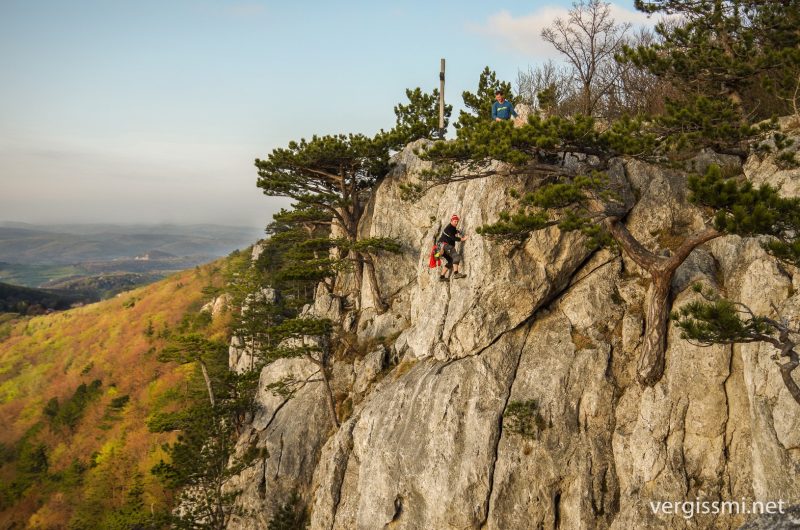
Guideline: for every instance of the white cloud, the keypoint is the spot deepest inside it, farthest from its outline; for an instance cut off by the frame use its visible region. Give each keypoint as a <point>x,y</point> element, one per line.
<point>523,34</point>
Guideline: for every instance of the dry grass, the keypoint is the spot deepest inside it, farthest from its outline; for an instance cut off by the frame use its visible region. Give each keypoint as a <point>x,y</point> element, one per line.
<point>404,367</point>
<point>581,341</point>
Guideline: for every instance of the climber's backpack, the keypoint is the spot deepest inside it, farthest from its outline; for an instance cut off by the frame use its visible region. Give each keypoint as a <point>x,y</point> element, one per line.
<point>436,255</point>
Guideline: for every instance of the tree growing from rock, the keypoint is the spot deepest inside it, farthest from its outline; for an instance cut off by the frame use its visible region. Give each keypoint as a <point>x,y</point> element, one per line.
<point>335,174</point>
<point>310,339</point>
<point>743,209</point>
<point>292,261</point>
<point>695,121</point>
<point>717,320</point>
<point>584,203</point>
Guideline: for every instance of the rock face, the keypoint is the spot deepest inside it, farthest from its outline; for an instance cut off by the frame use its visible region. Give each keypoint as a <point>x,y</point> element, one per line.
<point>291,433</point>
<point>242,354</point>
<point>218,305</point>
<point>788,520</point>
<point>547,327</point>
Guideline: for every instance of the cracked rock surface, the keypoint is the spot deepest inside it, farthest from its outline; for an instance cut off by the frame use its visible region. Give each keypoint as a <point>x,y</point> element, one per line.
<point>549,323</point>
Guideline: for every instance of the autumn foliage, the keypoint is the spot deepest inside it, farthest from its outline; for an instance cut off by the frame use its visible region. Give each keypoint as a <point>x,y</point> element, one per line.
<point>77,390</point>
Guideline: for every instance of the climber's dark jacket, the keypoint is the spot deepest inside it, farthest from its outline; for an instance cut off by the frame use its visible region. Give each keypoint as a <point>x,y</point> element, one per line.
<point>450,235</point>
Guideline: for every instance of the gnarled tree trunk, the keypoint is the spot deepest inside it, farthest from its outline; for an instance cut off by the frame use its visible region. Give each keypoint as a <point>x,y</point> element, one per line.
<point>657,305</point>
<point>657,302</point>
<point>207,379</point>
<point>788,381</point>
<point>787,348</point>
<point>359,272</point>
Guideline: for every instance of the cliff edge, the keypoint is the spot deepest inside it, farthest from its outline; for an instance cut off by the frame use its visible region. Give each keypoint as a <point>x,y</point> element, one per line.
<point>545,328</point>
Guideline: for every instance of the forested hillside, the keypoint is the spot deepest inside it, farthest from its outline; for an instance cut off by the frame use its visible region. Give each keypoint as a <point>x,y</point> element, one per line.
<point>79,391</point>
<point>24,300</point>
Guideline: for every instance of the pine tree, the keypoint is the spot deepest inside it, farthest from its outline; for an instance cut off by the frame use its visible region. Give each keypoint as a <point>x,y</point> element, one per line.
<point>717,320</point>
<point>744,209</point>
<point>296,256</point>
<point>541,145</point>
<point>479,104</point>
<point>336,174</point>
<point>200,465</point>
<point>310,339</point>
<point>194,348</point>
<point>203,458</point>
<point>741,208</point>
<point>260,310</point>
<point>745,50</point>
<point>419,118</point>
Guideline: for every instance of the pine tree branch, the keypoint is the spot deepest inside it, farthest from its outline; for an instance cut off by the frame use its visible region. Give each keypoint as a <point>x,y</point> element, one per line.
<point>637,252</point>
<point>688,245</point>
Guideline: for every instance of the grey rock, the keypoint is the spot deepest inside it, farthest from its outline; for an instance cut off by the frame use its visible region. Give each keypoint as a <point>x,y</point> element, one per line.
<point>258,249</point>
<point>523,112</point>
<point>545,322</point>
<point>369,368</point>
<point>767,169</point>
<point>788,520</point>
<point>421,446</point>
<point>219,305</point>
<point>502,287</point>
<point>291,432</point>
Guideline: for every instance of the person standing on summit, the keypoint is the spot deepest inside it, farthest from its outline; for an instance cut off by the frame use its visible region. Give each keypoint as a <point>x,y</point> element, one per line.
<point>447,244</point>
<point>501,109</point>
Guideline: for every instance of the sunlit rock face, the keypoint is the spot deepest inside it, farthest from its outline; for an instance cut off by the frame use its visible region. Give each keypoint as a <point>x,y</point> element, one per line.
<point>545,321</point>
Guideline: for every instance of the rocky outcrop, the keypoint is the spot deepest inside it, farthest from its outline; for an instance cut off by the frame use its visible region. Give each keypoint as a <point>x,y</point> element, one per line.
<point>243,351</point>
<point>548,327</point>
<point>219,305</point>
<point>505,283</point>
<point>290,431</point>
<point>789,519</point>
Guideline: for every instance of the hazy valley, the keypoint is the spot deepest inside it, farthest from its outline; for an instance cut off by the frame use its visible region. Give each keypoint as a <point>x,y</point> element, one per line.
<point>78,264</point>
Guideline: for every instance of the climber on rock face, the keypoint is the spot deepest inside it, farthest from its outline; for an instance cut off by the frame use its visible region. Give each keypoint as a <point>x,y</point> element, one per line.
<point>447,244</point>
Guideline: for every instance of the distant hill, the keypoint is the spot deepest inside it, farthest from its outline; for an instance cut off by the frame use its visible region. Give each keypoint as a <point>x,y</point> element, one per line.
<point>101,286</point>
<point>24,300</point>
<point>103,259</point>
<point>156,254</point>
<point>68,244</point>
<point>77,389</point>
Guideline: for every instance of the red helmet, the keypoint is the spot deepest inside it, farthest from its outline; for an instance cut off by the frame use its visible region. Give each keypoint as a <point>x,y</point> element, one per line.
<point>454,217</point>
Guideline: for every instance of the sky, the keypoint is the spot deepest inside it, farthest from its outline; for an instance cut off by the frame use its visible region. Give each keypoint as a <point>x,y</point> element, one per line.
<point>153,111</point>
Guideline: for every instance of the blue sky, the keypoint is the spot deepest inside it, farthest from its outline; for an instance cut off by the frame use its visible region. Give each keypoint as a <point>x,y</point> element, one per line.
<point>146,111</point>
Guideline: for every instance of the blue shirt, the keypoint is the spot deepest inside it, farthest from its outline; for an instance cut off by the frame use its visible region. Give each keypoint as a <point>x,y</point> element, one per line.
<point>503,110</point>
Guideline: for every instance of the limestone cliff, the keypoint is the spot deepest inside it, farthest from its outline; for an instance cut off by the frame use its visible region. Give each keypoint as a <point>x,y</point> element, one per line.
<point>424,444</point>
